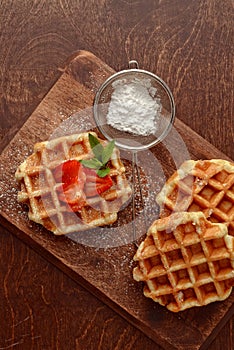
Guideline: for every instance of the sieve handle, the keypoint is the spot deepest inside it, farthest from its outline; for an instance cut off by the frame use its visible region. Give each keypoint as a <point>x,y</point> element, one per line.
<point>135,169</point>
<point>133,64</point>
<point>134,163</point>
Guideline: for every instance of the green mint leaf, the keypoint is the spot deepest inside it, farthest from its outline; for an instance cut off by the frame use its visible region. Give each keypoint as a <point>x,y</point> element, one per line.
<point>97,151</point>
<point>107,152</point>
<point>103,172</point>
<point>96,146</point>
<point>91,163</point>
<point>102,155</point>
<point>93,141</point>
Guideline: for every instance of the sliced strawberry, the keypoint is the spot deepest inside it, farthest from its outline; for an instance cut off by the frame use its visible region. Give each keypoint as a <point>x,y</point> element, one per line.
<point>72,178</point>
<point>91,176</point>
<point>78,182</point>
<point>73,196</point>
<point>96,188</point>
<point>69,172</point>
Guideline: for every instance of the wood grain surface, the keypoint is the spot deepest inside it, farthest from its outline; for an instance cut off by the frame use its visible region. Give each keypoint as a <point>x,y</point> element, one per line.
<point>107,273</point>
<point>55,312</point>
<point>188,43</point>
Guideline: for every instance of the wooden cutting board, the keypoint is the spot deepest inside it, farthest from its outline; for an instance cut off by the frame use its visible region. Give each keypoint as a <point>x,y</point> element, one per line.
<point>106,272</point>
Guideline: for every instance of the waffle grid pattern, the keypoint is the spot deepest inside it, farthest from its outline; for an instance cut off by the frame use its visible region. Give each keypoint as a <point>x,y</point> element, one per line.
<point>38,187</point>
<point>206,186</point>
<point>186,261</point>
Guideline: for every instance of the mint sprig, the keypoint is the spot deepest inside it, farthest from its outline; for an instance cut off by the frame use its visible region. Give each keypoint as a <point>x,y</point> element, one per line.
<point>102,156</point>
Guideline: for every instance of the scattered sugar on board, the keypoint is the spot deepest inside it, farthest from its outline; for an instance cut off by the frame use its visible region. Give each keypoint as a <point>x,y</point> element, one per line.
<point>78,122</point>
<point>9,186</point>
<point>134,107</point>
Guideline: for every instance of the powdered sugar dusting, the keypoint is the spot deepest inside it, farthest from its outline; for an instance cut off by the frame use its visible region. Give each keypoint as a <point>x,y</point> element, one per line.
<point>9,207</point>
<point>118,234</point>
<point>134,107</point>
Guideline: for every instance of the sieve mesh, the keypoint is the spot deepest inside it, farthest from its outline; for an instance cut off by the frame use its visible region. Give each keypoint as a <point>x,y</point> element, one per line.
<point>127,140</point>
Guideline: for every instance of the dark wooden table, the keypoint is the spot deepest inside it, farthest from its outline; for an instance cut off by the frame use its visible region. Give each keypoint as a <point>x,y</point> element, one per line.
<point>189,43</point>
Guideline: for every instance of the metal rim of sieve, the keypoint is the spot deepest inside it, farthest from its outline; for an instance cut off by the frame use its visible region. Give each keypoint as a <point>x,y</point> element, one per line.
<point>121,74</point>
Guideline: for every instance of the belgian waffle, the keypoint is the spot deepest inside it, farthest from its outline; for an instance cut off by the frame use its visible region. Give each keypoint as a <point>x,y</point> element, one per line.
<point>39,188</point>
<point>185,261</point>
<point>204,185</point>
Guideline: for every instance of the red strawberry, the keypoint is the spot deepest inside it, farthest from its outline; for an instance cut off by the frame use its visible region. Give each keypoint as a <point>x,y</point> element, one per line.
<point>73,196</point>
<point>77,182</point>
<point>96,185</point>
<point>69,173</point>
<point>91,176</point>
<point>72,178</point>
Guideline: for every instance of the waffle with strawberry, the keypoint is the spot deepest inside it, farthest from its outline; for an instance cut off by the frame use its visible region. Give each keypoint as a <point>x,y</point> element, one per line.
<point>73,183</point>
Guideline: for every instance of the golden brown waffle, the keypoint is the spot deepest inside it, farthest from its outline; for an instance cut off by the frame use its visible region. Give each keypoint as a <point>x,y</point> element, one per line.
<point>186,261</point>
<point>204,185</point>
<point>39,188</point>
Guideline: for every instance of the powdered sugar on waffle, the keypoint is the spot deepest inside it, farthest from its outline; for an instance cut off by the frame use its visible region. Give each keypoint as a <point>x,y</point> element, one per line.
<point>186,261</point>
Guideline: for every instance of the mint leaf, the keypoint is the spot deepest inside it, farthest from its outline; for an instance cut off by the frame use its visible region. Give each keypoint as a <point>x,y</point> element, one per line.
<point>102,155</point>
<point>91,163</point>
<point>107,152</point>
<point>103,172</point>
<point>97,151</point>
<point>96,146</point>
<point>93,141</point>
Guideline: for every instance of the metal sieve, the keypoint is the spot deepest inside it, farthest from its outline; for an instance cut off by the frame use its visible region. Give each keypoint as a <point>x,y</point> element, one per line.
<point>126,140</point>
<point>131,141</point>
